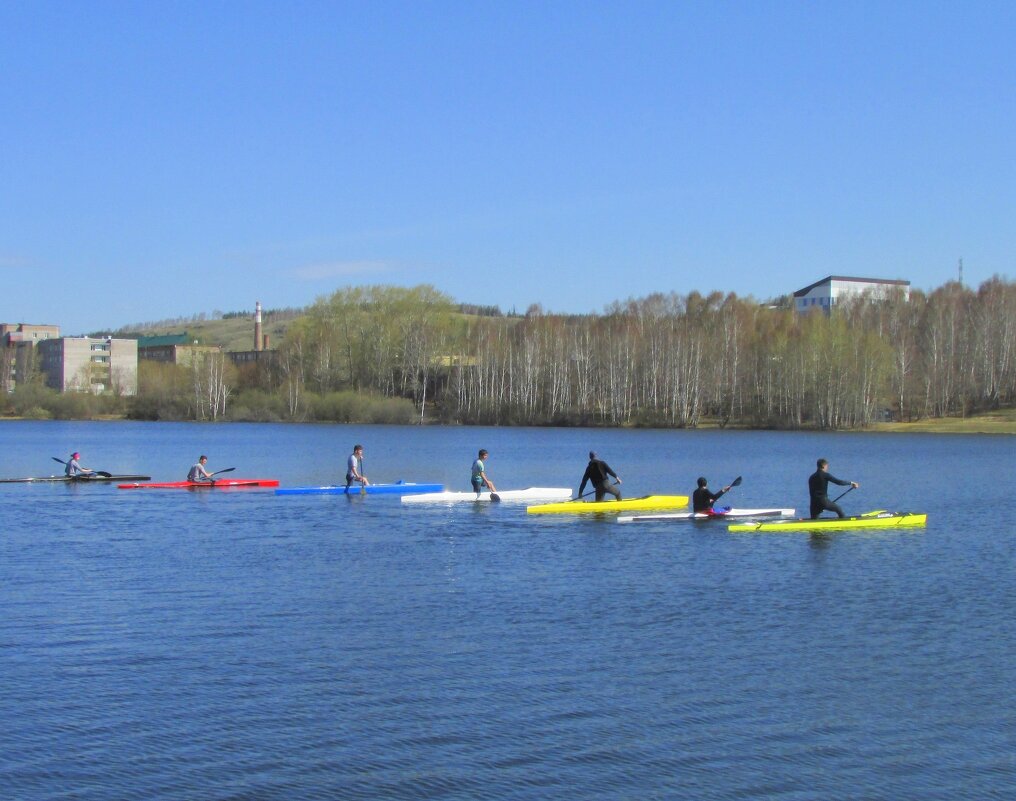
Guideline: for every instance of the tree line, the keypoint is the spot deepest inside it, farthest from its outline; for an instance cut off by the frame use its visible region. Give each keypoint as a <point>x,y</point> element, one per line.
<point>394,354</point>
<point>664,360</point>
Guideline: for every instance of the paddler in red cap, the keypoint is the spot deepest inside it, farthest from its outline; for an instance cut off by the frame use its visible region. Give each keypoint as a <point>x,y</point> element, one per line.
<point>74,468</point>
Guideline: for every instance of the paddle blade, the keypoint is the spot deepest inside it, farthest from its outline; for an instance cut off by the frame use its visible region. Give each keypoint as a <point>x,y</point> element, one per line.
<point>57,460</point>
<point>495,497</point>
<point>736,482</point>
<point>103,473</point>
<point>226,470</point>
<point>363,489</point>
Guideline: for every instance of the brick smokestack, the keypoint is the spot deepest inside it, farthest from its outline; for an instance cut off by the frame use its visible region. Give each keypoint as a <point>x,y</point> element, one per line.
<point>257,325</point>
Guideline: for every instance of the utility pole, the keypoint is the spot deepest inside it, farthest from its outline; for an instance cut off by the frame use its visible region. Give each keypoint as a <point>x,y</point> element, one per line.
<point>961,272</point>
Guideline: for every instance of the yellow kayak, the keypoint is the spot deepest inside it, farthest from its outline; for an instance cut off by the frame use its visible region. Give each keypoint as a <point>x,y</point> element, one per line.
<point>610,507</point>
<point>878,519</point>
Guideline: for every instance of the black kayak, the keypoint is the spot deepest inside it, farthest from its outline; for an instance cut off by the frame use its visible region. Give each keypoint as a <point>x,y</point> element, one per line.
<point>75,480</point>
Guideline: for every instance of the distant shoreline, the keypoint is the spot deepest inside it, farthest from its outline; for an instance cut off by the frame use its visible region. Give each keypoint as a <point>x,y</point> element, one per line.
<point>1000,422</point>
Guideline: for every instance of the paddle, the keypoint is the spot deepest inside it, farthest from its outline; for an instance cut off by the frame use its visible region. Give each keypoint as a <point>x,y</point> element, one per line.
<point>224,470</point>
<point>592,491</point>
<point>102,473</point>
<point>495,497</point>
<point>841,495</point>
<point>735,483</point>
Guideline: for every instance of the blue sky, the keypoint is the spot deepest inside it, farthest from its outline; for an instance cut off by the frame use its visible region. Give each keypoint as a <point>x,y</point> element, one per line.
<point>165,159</point>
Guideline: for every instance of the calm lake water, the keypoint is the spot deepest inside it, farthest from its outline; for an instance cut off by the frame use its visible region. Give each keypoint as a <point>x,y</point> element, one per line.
<point>238,645</point>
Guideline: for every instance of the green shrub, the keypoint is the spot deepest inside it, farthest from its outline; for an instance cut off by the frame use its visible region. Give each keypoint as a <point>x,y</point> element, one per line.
<point>73,406</point>
<point>395,411</point>
<point>257,406</point>
<point>32,397</point>
<point>353,407</point>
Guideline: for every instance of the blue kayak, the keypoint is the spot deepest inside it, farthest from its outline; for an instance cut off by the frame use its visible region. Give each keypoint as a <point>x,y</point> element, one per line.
<point>398,488</point>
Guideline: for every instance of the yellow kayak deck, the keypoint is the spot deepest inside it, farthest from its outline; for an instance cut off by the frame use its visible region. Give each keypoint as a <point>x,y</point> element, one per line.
<point>878,519</point>
<point>610,507</point>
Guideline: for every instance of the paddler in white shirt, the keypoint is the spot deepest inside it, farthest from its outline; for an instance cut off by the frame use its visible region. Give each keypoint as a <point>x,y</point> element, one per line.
<point>354,467</point>
<point>198,471</point>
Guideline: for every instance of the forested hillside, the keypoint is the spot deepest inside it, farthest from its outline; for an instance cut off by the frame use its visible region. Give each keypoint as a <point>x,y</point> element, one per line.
<point>668,360</point>
<point>392,354</point>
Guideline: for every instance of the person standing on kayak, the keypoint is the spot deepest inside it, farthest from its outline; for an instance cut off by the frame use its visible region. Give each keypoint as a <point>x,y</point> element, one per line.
<point>198,472</point>
<point>354,467</point>
<point>74,468</point>
<point>703,498</point>
<point>478,475</point>
<point>597,473</point>
<point>818,488</point>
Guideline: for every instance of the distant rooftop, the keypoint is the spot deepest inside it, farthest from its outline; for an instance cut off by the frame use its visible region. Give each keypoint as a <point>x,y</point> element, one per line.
<point>830,278</point>
<point>164,340</point>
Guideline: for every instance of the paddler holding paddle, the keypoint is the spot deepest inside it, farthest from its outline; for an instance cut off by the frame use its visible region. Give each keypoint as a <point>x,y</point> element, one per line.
<point>74,468</point>
<point>354,468</point>
<point>478,474</point>
<point>597,472</point>
<point>703,498</point>
<point>198,472</point>
<point>818,488</point>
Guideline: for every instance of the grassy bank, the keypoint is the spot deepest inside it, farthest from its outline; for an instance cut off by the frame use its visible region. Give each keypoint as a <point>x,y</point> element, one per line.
<point>1002,421</point>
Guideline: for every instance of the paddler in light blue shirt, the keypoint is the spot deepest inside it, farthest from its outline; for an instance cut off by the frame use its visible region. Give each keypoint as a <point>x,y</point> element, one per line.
<point>478,477</point>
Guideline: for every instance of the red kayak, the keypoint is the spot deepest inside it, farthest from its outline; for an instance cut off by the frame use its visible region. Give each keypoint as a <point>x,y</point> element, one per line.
<point>219,483</point>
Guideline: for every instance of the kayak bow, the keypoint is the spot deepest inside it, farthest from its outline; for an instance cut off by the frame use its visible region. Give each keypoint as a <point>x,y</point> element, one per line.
<point>870,520</point>
<point>219,483</point>
<point>719,514</point>
<point>398,488</point>
<point>530,494</point>
<point>74,479</point>
<point>610,507</point>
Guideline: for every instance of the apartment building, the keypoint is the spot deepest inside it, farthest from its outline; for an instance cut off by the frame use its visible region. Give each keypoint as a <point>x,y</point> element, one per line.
<point>17,350</point>
<point>87,364</point>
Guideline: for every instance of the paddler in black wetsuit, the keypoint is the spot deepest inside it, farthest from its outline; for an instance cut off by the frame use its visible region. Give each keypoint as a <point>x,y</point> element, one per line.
<point>703,498</point>
<point>818,488</point>
<point>596,473</point>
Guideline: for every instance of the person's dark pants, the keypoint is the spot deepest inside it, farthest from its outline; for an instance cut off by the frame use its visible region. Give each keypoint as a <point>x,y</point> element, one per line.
<point>817,507</point>
<point>606,487</point>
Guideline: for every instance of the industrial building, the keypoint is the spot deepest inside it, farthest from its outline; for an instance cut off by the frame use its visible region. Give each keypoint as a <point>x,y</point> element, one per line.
<point>826,293</point>
<point>174,349</point>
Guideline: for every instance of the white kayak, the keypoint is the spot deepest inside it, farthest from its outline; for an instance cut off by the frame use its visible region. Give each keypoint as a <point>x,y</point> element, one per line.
<point>531,494</point>
<point>718,514</point>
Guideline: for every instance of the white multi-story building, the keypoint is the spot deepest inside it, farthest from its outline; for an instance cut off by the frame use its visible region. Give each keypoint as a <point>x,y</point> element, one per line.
<point>826,293</point>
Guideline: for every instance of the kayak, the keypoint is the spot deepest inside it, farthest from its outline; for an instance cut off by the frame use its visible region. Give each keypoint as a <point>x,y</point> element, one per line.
<point>718,514</point>
<point>879,519</point>
<point>75,480</point>
<point>610,507</point>
<point>398,488</point>
<point>530,494</point>
<point>219,483</point>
